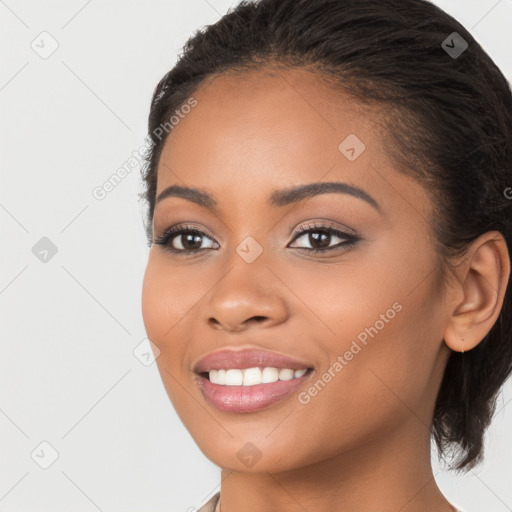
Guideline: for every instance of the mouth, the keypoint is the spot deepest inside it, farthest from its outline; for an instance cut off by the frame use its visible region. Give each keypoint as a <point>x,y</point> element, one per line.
<point>252,376</point>
<point>234,390</point>
<point>247,380</point>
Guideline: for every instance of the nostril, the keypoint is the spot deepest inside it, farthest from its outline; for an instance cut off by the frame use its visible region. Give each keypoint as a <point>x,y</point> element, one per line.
<point>256,319</point>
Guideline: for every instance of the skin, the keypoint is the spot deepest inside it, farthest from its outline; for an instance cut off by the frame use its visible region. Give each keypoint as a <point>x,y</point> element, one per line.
<point>363,442</point>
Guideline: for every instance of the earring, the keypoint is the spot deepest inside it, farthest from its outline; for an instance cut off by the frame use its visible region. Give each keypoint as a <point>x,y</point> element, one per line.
<point>462,351</point>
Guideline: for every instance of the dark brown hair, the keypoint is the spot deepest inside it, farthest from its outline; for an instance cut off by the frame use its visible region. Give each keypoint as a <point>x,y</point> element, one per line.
<point>449,127</point>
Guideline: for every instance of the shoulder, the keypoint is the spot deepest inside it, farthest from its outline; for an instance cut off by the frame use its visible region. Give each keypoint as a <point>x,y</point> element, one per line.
<point>210,505</point>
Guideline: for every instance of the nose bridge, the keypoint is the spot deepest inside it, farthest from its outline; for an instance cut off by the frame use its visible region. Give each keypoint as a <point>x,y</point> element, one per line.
<point>246,291</point>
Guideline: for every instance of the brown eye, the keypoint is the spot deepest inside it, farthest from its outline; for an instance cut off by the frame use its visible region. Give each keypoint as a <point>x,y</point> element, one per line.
<point>182,239</point>
<point>320,238</point>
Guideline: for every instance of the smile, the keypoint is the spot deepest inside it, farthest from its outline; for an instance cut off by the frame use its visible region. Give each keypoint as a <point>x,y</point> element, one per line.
<point>243,391</point>
<point>253,376</point>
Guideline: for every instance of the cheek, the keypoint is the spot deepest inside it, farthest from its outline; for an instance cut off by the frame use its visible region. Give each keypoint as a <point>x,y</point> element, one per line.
<point>170,297</point>
<point>367,388</point>
<point>388,359</point>
<point>168,302</point>
<point>382,339</point>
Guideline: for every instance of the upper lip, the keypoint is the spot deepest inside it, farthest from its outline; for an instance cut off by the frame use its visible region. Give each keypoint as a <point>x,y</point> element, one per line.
<point>246,358</point>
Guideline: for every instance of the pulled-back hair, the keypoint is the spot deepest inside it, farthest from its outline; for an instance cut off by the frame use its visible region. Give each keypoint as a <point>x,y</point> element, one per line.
<point>449,126</point>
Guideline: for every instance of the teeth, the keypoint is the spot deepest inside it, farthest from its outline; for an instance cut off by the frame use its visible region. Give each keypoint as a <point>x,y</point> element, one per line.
<point>269,374</point>
<point>234,377</point>
<point>286,374</point>
<point>253,376</point>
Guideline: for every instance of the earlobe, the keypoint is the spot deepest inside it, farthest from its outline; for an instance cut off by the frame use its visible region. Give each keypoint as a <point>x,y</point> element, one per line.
<point>483,279</point>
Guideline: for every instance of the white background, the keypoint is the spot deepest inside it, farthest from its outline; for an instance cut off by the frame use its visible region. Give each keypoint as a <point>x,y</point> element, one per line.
<point>69,326</point>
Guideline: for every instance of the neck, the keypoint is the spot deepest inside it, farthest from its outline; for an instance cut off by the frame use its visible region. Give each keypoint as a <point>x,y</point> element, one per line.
<point>387,474</point>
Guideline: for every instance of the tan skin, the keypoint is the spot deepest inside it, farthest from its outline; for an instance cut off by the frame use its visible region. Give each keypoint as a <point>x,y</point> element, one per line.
<point>362,443</point>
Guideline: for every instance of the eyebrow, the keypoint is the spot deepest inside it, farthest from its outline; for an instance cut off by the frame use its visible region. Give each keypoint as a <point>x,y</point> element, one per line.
<point>278,198</point>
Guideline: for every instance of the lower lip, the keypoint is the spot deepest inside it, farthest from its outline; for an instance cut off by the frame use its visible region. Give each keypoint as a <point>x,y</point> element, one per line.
<point>241,399</point>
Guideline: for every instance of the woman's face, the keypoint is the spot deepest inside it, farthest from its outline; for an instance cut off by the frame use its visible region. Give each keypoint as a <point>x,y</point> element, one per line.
<point>367,318</point>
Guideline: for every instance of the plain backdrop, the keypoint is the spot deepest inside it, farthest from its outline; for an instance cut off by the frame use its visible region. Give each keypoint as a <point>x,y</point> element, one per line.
<point>85,421</point>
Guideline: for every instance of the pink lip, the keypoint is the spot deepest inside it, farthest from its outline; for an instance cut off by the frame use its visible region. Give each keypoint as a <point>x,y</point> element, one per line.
<point>242,399</point>
<point>247,358</point>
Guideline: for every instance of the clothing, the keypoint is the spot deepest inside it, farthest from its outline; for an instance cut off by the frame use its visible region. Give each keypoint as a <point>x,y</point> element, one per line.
<point>212,505</point>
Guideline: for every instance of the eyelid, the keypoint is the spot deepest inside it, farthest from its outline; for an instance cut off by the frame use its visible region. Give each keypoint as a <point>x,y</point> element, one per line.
<point>325,224</point>
<point>316,224</point>
<point>183,225</point>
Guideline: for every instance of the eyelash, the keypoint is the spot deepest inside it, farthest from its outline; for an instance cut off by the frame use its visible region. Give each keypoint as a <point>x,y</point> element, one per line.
<point>172,232</point>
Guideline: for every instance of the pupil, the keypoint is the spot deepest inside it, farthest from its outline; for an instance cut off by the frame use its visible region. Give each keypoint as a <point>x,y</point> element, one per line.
<point>190,243</point>
<point>321,236</point>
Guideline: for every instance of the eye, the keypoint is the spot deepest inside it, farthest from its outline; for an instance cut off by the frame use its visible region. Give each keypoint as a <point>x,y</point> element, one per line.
<point>320,238</point>
<point>182,239</point>
<point>187,240</point>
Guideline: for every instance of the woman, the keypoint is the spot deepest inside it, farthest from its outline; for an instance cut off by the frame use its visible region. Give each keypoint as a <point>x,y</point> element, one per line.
<point>330,226</point>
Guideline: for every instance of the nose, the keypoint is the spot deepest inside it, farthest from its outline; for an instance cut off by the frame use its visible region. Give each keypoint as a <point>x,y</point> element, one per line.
<point>247,296</point>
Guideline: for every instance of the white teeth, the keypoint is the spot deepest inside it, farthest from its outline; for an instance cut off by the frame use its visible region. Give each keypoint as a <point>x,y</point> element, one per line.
<point>234,377</point>
<point>217,376</point>
<point>286,374</point>
<point>269,374</point>
<point>253,376</point>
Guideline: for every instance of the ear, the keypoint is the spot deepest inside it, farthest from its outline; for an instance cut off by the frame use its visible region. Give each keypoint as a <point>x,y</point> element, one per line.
<point>482,280</point>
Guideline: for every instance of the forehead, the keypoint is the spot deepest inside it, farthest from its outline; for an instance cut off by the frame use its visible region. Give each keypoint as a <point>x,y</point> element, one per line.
<point>255,132</point>
<point>279,123</point>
